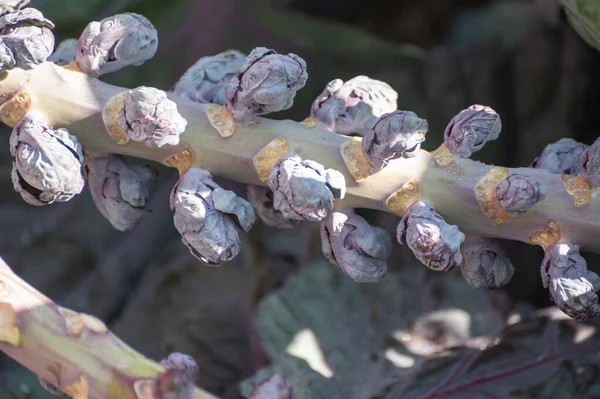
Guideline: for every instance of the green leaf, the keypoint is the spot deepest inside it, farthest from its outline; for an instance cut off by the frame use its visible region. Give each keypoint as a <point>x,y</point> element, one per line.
<point>333,338</point>
<point>584,16</point>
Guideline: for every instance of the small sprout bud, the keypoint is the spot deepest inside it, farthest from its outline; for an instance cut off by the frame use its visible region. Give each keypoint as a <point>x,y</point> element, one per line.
<point>572,286</point>
<point>304,190</point>
<point>115,43</point>
<point>262,200</point>
<point>203,219</point>
<point>395,135</point>
<point>470,129</point>
<point>359,249</point>
<point>149,117</point>
<point>433,241</point>
<point>51,388</point>
<point>181,362</point>
<point>47,162</point>
<point>274,387</point>
<point>590,164</point>
<point>266,82</point>
<point>353,107</point>
<point>517,193</point>
<point>560,157</point>
<point>121,191</point>
<point>205,81</point>
<point>485,265</point>
<point>25,39</point>
<point>64,52</point>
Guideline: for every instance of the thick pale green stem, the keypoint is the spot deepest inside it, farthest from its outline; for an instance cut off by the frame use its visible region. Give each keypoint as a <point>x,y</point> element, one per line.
<point>73,100</point>
<point>73,351</point>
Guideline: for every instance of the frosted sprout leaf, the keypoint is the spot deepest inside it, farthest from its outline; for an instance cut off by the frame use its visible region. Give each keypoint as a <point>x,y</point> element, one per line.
<point>359,249</point>
<point>26,39</point>
<point>210,234</point>
<point>64,52</point>
<point>517,193</point>
<point>120,190</point>
<point>149,117</point>
<point>485,264</point>
<point>46,162</point>
<point>8,6</point>
<point>353,107</point>
<point>434,242</point>
<point>206,80</point>
<point>114,43</point>
<point>590,164</point>
<point>471,129</point>
<point>266,82</point>
<point>561,157</point>
<point>301,188</point>
<point>395,135</point>
<point>262,200</point>
<point>572,286</point>
<point>274,387</point>
<point>183,363</point>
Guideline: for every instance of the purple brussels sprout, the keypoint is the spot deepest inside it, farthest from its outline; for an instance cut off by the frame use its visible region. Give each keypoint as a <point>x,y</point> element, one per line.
<point>484,264</point>
<point>205,81</point>
<point>120,190</point>
<point>303,189</point>
<point>181,362</point>
<point>26,39</point>
<point>359,249</point>
<point>395,135</point>
<point>517,193</point>
<point>274,387</point>
<point>434,242</point>
<point>353,107</point>
<point>149,117</point>
<point>590,164</point>
<point>471,129</point>
<point>561,157</point>
<point>262,200</point>
<point>46,162</point>
<point>266,82</point>
<point>572,286</point>
<point>206,217</point>
<point>115,43</point>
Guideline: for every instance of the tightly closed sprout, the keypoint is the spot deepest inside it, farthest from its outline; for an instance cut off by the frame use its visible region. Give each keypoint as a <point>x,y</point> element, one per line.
<point>561,156</point>
<point>572,286</point>
<point>303,189</point>
<point>354,106</point>
<point>46,162</point>
<point>149,117</point>
<point>56,108</point>
<point>518,193</point>
<point>359,249</point>
<point>119,189</point>
<point>395,135</point>
<point>433,241</point>
<point>590,164</point>
<point>206,217</point>
<point>484,264</point>
<point>115,43</point>
<point>25,39</point>
<point>206,80</point>
<point>266,82</point>
<point>471,129</point>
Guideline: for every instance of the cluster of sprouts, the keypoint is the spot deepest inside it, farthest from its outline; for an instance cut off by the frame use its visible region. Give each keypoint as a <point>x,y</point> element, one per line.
<point>51,165</point>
